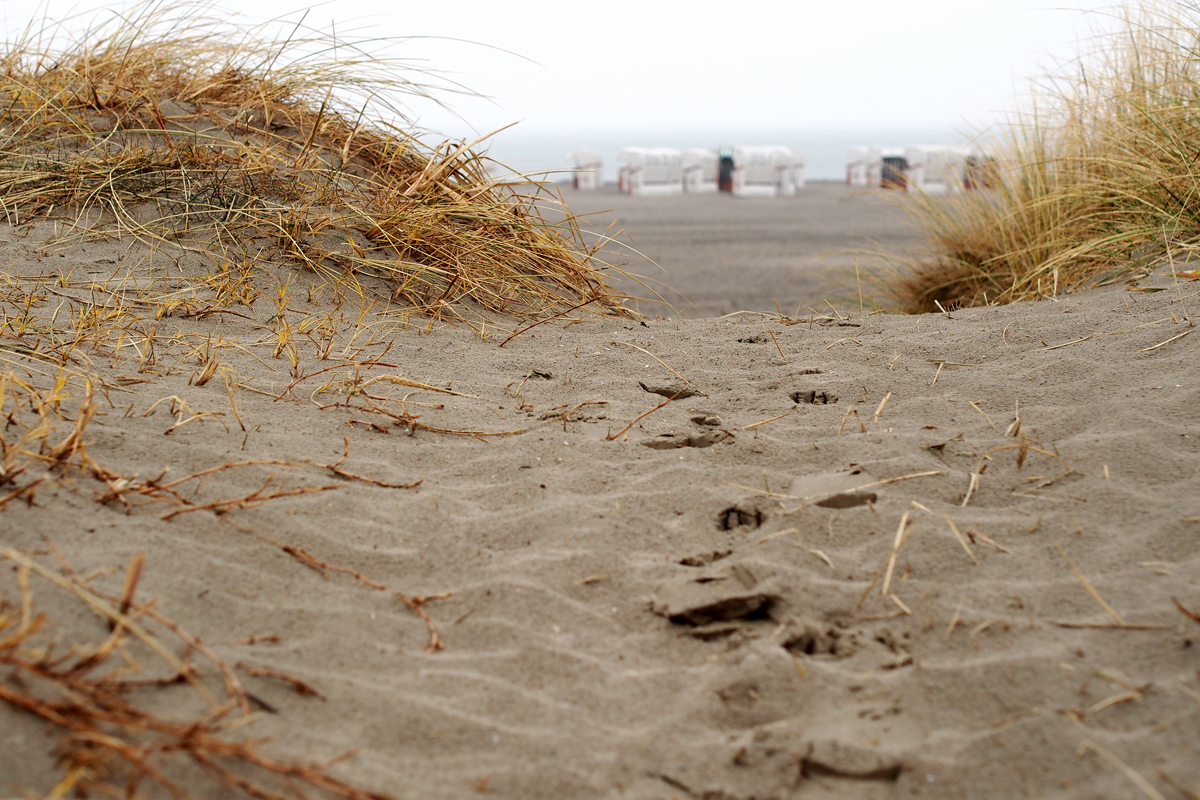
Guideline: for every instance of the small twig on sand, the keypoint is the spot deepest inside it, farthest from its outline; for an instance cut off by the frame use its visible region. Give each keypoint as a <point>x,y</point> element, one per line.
<point>882,403</point>
<point>901,535</point>
<point>817,498</point>
<point>300,686</point>
<point>1168,341</point>
<point>312,562</point>
<point>303,378</point>
<point>252,499</point>
<point>1185,611</point>
<point>961,540</point>
<point>1078,573</point>
<point>415,603</point>
<point>1129,772</point>
<point>862,428</point>
<point>754,425</point>
<point>659,360</point>
<point>971,488</point>
<point>15,493</point>
<point>611,436</point>
<point>547,319</point>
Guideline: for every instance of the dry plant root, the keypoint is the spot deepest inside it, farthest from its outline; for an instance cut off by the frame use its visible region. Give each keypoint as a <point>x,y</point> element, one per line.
<point>109,744</point>
<point>415,603</point>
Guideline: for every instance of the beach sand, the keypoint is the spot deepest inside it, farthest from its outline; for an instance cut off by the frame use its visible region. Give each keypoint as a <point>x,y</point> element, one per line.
<point>755,590</point>
<point>716,254</point>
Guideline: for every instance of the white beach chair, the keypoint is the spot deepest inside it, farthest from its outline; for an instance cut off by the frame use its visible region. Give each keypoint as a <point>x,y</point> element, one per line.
<point>699,171</point>
<point>763,172</point>
<point>797,171</point>
<point>936,169</point>
<point>588,166</point>
<point>887,167</point>
<point>858,158</point>
<point>647,171</point>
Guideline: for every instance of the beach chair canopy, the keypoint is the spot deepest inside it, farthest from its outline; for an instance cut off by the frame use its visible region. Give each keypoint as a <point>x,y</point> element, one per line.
<point>586,159</point>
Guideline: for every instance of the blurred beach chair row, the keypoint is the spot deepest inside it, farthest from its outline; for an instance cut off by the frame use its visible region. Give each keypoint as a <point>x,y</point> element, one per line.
<point>930,168</point>
<point>742,171</point>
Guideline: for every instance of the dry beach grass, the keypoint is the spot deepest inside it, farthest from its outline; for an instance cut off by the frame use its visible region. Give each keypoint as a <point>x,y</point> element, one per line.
<point>181,129</point>
<point>1097,174</point>
<point>279,524</point>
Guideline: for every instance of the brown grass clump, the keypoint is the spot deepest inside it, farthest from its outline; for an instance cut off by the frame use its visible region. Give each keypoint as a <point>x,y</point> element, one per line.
<point>1097,175</point>
<point>179,128</point>
<point>93,694</point>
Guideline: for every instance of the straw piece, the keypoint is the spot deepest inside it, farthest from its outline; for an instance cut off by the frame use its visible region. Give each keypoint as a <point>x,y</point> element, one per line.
<point>1190,692</point>
<point>762,492</point>
<point>1129,772</point>
<point>974,534</point>
<point>254,498</point>
<point>980,628</point>
<point>27,488</point>
<point>1137,327</point>
<point>1168,341</point>
<point>564,312</point>
<point>1125,626</point>
<point>975,406</point>
<point>971,488</point>
<point>955,618</point>
<point>901,535</point>
<point>1015,427</point>
<point>856,489</point>
<point>961,540</point>
<point>882,403</point>
<point>614,436</point>
<point>753,425</point>
<point>656,358</point>
<point>862,428</point>
<point>821,555</point>
<point>1066,344</point>
<point>300,686</point>
<point>1116,699</point>
<point>778,534</point>
<point>312,562</point>
<point>1177,784</point>
<point>396,380</point>
<point>776,341</point>
<point>1186,612</point>
<point>1078,573</point>
<point>897,479</point>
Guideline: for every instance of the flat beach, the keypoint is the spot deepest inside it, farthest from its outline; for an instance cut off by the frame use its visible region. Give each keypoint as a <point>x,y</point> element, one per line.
<point>828,553</point>
<point>712,255</point>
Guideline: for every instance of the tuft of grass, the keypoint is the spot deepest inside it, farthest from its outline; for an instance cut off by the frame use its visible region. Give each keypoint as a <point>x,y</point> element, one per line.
<point>187,130</point>
<point>1097,175</point>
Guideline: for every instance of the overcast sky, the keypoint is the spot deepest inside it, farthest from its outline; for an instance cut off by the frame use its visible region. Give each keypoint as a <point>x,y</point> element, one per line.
<point>816,75</point>
<point>763,63</point>
<point>651,64</point>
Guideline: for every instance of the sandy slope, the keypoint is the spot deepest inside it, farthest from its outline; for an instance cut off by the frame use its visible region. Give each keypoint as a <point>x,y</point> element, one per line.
<point>679,611</point>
